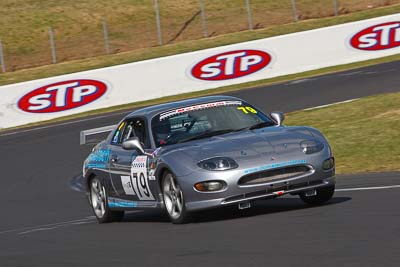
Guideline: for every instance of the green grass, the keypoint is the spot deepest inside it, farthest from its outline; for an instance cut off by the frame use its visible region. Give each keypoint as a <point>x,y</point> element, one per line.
<point>364,134</point>
<point>180,46</point>
<point>131,23</point>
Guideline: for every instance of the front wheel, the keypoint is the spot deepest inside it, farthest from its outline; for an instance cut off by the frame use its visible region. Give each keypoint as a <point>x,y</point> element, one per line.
<point>98,200</point>
<point>323,195</point>
<point>173,200</point>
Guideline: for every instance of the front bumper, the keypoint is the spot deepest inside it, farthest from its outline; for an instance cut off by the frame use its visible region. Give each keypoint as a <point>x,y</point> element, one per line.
<point>236,193</point>
<point>260,194</point>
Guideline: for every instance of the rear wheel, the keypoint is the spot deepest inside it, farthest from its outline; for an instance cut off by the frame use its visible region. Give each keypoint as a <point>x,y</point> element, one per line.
<point>173,200</point>
<point>98,200</point>
<point>323,195</point>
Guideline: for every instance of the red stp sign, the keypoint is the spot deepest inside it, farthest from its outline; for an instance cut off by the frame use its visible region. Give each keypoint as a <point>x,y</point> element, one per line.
<point>378,37</point>
<point>231,65</point>
<point>62,96</point>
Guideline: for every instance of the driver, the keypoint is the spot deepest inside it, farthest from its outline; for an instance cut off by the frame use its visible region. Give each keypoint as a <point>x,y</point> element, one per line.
<point>163,131</point>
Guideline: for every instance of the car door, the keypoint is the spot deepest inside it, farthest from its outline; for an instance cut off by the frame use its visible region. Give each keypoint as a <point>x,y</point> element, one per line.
<point>128,169</point>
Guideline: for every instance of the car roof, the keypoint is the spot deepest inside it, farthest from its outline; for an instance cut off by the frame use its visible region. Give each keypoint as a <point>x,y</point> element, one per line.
<point>151,111</point>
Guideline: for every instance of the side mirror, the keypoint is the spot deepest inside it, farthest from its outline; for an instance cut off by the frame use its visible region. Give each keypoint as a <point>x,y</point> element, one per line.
<point>132,144</point>
<point>278,117</point>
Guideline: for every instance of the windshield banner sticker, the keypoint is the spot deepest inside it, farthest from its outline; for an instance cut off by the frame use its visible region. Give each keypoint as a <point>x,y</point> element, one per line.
<point>198,107</point>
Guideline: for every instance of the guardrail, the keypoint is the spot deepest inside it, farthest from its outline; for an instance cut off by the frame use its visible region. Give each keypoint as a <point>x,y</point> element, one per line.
<point>83,134</point>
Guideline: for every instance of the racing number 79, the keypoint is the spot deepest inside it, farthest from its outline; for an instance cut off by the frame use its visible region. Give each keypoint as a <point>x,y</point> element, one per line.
<point>141,186</point>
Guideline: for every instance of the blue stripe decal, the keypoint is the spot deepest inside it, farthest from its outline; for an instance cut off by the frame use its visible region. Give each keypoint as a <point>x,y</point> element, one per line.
<point>97,165</point>
<point>275,165</point>
<point>120,203</point>
<point>98,159</point>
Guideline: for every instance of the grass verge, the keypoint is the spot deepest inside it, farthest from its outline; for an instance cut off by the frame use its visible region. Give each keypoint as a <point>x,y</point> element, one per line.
<point>131,25</point>
<point>187,46</point>
<point>363,133</point>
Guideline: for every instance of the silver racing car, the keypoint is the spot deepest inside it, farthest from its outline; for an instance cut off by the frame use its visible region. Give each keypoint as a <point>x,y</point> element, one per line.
<point>204,153</point>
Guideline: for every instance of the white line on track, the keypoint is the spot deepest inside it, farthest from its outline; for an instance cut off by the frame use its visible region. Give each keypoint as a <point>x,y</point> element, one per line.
<point>301,81</point>
<point>37,230</point>
<point>328,105</point>
<point>367,188</point>
<point>350,73</point>
<point>48,226</point>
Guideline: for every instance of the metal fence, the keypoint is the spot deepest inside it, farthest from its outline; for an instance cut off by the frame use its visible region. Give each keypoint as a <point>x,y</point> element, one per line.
<point>163,23</point>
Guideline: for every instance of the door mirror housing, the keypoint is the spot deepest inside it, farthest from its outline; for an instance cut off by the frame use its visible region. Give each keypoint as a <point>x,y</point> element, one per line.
<point>134,144</point>
<point>278,117</point>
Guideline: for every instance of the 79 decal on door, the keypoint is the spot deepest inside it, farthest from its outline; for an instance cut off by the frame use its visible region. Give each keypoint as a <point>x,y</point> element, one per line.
<point>138,183</point>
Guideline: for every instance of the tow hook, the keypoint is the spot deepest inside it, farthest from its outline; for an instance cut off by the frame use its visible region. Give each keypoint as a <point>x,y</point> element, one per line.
<point>244,205</point>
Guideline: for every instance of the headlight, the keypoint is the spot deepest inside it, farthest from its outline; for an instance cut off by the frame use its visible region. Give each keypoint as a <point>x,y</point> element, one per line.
<point>218,164</point>
<point>210,186</point>
<point>328,164</point>
<point>311,147</point>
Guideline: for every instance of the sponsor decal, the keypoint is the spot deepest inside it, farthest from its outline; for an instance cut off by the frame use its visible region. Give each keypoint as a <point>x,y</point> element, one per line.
<point>127,185</point>
<point>98,159</point>
<point>123,203</point>
<point>62,96</point>
<point>198,107</point>
<point>231,65</point>
<point>138,182</point>
<point>275,165</point>
<point>377,37</point>
<point>116,137</point>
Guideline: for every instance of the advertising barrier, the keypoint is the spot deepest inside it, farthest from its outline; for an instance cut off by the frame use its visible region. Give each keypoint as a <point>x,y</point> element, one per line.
<point>49,98</point>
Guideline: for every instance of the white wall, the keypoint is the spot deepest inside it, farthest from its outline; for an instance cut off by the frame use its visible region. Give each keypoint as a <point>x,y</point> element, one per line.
<point>165,76</point>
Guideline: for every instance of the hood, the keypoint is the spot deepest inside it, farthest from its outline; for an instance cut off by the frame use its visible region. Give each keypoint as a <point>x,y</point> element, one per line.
<point>246,147</point>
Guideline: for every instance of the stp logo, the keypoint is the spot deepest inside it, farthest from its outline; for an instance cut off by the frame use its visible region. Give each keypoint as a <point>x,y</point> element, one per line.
<point>62,96</point>
<point>378,37</point>
<point>231,65</point>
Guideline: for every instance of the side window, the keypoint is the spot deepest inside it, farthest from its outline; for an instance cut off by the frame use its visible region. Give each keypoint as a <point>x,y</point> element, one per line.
<point>133,127</point>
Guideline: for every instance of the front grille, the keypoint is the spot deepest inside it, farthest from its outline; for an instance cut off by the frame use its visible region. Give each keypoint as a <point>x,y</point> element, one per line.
<point>294,186</point>
<point>274,175</point>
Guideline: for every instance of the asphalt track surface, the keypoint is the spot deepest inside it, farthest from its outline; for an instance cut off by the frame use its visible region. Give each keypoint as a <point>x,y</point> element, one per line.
<point>44,222</point>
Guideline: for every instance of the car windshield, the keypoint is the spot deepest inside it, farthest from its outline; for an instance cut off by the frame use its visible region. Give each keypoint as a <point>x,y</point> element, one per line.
<point>206,120</point>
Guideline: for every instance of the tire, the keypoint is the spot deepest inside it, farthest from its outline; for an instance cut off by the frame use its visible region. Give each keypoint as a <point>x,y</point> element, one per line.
<point>98,201</point>
<point>174,201</point>
<point>324,194</point>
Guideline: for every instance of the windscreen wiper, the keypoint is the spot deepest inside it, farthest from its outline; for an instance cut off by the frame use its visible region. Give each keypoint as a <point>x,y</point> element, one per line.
<point>205,135</point>
<point>261,125</point>
<point>256,126</point>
